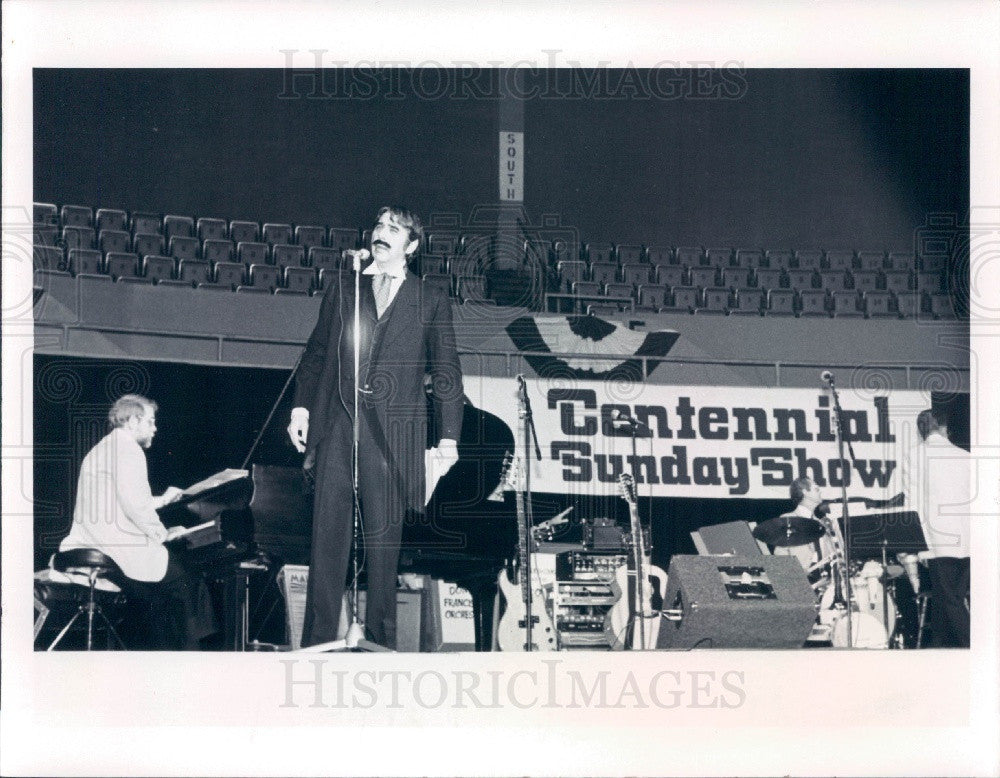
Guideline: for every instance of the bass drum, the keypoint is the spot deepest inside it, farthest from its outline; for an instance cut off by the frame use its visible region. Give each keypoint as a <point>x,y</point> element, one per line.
<point>867,621</point>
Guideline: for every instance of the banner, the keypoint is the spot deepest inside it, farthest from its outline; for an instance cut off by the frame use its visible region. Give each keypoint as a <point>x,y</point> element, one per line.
<point>705,441</point>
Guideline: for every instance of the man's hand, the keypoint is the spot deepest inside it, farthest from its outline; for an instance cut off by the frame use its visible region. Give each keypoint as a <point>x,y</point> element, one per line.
<point>172,494</point>
<point>298,429</point>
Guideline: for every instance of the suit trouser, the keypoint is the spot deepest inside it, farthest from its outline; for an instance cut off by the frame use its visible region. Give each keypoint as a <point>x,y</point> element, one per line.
<point>949,586</point>
<point>382,510</point>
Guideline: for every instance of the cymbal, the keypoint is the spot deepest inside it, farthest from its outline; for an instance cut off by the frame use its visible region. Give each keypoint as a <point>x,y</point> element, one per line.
<point>788,531</point>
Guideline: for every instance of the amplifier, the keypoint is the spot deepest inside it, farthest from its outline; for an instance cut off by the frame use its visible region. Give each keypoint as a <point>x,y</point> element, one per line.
<point>588,565</point>
<point>737,602</point>
<point>601,534</point>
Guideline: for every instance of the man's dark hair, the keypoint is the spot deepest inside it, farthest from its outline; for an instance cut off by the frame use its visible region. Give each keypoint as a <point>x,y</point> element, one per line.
<point>406,218</point>
<point>930,420</point>
<point>798,488</point>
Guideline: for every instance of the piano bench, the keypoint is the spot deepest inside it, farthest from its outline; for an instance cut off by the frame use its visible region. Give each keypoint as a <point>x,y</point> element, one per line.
<point>76,588</point>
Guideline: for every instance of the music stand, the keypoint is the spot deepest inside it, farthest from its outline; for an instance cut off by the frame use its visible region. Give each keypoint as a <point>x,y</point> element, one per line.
<point>900,531</point>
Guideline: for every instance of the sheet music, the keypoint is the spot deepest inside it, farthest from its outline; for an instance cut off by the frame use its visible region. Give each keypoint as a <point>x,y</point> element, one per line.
<point>230,474</point>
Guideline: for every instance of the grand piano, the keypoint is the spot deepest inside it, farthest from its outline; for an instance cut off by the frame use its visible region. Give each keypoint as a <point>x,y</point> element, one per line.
<point>246,522</point>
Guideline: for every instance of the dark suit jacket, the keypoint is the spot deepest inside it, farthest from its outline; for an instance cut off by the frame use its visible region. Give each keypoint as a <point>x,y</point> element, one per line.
<point>414,337</point>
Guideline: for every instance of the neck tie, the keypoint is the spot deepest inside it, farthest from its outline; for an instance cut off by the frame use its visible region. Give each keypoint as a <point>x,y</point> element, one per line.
<point>381,290</point>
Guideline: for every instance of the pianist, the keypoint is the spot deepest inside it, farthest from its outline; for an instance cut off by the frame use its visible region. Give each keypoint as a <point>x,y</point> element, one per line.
<point>115,513</point>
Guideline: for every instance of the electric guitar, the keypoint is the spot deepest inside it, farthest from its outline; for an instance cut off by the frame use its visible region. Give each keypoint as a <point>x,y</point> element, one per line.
<point>648,581</point>
<point>526,601</point>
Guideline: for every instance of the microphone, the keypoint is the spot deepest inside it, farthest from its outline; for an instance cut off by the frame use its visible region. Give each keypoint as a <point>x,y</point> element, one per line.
<point>624,418</point>
<point>827,376</point>
<point>357,257</point>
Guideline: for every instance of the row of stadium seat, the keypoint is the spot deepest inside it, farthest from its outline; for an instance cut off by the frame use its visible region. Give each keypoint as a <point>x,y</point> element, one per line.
<point>742,278</point>
<point>776,302</point>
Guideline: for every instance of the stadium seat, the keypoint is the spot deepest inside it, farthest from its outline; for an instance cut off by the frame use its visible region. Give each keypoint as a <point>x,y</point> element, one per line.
<point>113,240</point>
<point>749,258</point>
<point>122,265</point>
<point>243,232</point>
<point>342,238</point>
<point>436,264</point>
<point>537,252</point>
<point>177,227</point>
<point>604,272</point>
<point>833,280</point>
<point>564,251</point>
<point>328,276</point>
<point>243,289</point>
<point>736,277</point>
<point>442,282</point>
<point>689,255</point>
<point>471,289</point>
<point>251,253</point>
<point>324,259</point>
<point>86,261</point>
<point>839,259</point>
<point>147,243</point>
<point>147,223</point>
<point>660,255</point>
<point>636,274</point>
<point>684,298</point>
<point>264,276</point>
<point>49,258</point>
<point>78,237</point>
<point>897,280</point>
<point>768,277</point>
<point>465,266</point>
<point>809,259</point>
<point>907,305</point>
<point>229,274</point>
<point>585,289</point>
<point>628,253</point>
<point>600,252</point>
<point>871,260</point>
<point>932,263</point>
<point>184,248</point>
<point>902,260</point>
<point>802,279</point>
<point>445,243</point>
<point>284,255</point>
<point>156,268</point>
<point>779,258</point>
<point>213,287</point>
<point>750,302</point>
<point>781,302</point>
<point>44,235</point>
<point>702,276</point>
<point>194,272</point>
<point>299,279</point>
<point>212,229</point>
<point>930,282</point>
<point>45,213</point>
<point>846,303</point>
<point>942,306</point>
<point>277,233</point>
<point>652,297</point>
<point>671,275</point>
<point>719,257</point>
<point>308,236</point>
<point>716,300</point>
<point>619,290</point>
<point>216,250</point>
<point>570,271</point>
<point>603,309</point>
<point>813,302</point>
<point>877,304</point>
<point>366,238</point>
<point>76,216</point>
<point>866,280</point>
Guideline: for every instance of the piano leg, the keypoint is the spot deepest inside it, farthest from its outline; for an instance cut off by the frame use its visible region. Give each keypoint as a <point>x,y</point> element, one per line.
<point>483,601</point>
<point>234,609</point>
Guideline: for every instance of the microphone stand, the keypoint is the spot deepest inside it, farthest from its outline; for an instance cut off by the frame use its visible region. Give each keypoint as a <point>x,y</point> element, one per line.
<point>529,436</point>
<point>846,550</point>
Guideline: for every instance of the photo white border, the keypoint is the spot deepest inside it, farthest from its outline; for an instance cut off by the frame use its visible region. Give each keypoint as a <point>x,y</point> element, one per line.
<point>805,713</point>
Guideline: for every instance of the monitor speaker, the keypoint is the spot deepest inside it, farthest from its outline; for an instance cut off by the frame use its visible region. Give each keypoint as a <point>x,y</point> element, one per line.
<point>737,602</point>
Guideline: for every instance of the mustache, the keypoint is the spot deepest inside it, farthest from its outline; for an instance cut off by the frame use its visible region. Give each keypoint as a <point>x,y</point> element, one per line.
<point>380,243</point>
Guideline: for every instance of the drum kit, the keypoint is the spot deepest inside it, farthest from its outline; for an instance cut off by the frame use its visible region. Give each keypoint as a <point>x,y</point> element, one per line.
<point>874,618</point>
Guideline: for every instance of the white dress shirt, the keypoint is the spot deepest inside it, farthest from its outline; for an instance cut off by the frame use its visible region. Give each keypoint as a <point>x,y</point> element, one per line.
<point>115,510</point>
<point>937,477</point>
<point>396,275</point>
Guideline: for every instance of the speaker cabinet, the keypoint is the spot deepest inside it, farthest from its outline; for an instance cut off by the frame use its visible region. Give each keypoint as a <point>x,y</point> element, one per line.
<point>737,602</point>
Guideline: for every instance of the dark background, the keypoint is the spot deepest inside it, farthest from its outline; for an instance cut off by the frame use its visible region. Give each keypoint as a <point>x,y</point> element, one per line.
<point>772,158</point>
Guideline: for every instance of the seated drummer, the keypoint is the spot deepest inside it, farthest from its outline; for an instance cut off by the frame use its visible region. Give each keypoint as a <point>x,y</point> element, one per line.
<point>807,499</point>
<point>115,513</point>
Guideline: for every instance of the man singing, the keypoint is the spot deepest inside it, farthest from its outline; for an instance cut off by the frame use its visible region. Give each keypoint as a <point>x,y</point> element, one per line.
<point>405,332</point>
<point>115,513</point>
